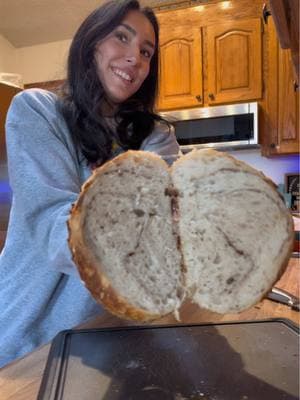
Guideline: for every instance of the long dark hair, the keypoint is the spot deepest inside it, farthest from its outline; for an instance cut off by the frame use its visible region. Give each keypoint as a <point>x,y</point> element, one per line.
<point>83,93</point>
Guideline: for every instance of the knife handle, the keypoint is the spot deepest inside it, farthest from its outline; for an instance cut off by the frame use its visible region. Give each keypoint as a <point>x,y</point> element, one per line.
<point>284,297</point>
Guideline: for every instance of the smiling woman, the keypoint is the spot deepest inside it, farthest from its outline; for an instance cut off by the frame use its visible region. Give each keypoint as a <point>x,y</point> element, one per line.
<point>123,57</point>
<point>117,41</point>
<point>54,142</point>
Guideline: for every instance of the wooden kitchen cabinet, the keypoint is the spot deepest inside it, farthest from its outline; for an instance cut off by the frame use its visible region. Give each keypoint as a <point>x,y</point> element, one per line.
<point>208,61</point>
<point>285,14</point>
<point>239,60</point>
<point>282,100</point>
<point>180,53</point>
<point>234,61</point>
<point>288,105</point>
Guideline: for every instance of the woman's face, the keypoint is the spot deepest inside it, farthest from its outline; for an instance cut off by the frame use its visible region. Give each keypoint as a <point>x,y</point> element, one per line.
<point>123,57</point>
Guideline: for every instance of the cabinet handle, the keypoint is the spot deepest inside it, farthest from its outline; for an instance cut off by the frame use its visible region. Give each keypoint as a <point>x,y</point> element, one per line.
<point>211,96</point>
<point>266,13</point>
<point>273,145</point>
<point>296,86</point>
<point>199,98</point>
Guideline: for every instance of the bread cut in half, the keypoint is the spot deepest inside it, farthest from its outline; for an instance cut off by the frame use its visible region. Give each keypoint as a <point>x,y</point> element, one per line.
<point>123,238</point>
<point>210,229</point>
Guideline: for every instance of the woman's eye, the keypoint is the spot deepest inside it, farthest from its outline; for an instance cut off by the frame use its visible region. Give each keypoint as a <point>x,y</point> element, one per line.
<point>146,53</point>
<point>121,36</point>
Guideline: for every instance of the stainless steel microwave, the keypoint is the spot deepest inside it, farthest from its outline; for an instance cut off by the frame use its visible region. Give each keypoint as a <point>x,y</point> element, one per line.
<point>234,125</point>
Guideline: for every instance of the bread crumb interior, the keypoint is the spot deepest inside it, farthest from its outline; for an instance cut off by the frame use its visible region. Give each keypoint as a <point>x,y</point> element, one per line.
<point>232,227</point>
<point>128,227</point>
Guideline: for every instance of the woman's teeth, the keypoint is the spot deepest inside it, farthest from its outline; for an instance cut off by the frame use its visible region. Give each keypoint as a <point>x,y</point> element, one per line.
<point>122,74</point>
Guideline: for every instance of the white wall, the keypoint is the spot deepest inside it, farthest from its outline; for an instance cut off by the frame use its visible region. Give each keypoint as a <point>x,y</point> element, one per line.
<point>8,57</point>
<point>44,62</point>
<point>274,168</point>
<point>40,63</point>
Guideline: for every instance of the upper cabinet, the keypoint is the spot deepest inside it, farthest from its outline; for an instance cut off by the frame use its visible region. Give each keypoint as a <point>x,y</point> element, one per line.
<point>281,135</point>
<point>204,63</point>
<point>181,53</point>
<point>285,14</point>
<point>288,107</point>
<point>224,52</point>
<point>234,61</point>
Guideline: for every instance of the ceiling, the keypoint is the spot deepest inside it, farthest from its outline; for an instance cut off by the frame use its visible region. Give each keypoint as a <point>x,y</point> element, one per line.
<point>30,22</point>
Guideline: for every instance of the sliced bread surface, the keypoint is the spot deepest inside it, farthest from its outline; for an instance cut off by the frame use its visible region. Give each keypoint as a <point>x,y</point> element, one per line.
<point>211,228</point>
<point>236,233</point>
<point>123,238</point>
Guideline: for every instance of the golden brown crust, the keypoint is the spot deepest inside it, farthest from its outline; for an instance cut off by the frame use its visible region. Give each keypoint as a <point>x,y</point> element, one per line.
<point>89,268</point>
<point>290,245</point>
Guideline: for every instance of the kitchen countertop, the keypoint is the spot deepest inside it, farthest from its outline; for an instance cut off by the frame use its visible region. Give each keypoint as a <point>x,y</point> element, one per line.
<point>21,379</point>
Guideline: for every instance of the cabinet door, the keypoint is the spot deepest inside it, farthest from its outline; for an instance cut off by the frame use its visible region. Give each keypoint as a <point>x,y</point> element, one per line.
<point>288,105</point>
<point>180,69</point>
<point>281,125</point>
<point>234,61</point>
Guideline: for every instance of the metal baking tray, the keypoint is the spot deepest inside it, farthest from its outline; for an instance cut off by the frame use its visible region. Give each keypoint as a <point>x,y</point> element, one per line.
<point>256,360</point>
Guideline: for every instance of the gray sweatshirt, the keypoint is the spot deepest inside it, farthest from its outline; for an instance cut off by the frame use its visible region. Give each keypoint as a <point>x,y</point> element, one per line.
<point>40,290</point>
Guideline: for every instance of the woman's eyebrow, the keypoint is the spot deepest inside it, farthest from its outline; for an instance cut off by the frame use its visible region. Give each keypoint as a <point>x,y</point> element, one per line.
<point>133,31</point>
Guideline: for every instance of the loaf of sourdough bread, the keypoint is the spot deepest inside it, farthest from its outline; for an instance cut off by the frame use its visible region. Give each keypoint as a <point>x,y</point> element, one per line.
<point>210,229</point>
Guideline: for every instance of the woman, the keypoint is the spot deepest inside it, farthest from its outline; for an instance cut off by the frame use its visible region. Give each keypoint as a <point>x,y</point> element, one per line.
<point>53,143</point>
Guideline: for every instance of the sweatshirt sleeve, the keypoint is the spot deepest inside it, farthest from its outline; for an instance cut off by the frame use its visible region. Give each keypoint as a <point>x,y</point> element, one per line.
<point>162,141</point>
<point>44,175</point>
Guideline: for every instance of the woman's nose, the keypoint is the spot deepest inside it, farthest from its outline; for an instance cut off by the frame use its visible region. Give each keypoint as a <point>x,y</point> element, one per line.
<point>133,56</point>
<point>131,59</point>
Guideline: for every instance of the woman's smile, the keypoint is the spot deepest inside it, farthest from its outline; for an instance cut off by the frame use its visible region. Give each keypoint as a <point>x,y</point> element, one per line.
<point>122,74</point>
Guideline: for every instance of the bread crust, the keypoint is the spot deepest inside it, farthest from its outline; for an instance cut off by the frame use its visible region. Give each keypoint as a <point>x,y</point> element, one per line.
<point>89,268</point>
<point>285,261</point>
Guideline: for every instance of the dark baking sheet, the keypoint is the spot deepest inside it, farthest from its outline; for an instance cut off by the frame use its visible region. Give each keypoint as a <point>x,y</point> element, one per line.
<point>240,360</point>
